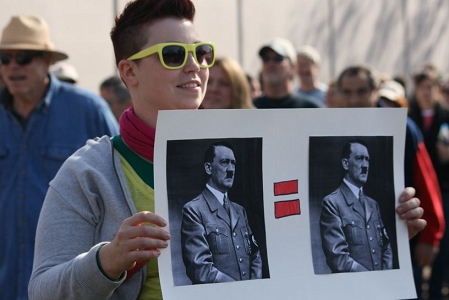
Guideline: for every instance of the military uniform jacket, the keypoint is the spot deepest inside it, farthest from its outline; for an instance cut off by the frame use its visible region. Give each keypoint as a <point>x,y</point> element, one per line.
<point>353,239</point>
<point>216,247</point>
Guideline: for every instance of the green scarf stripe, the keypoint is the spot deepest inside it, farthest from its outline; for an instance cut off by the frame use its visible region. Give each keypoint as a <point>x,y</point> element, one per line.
<point>142,167</point>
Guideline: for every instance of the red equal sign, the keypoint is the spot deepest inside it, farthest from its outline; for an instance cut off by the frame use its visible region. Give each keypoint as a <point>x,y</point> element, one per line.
<point>286,208</point>
<point>286,187</point>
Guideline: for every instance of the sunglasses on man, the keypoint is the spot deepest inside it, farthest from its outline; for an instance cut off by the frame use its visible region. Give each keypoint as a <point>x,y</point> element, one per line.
<point>22,58</point>
<point>276,58</point>
<point>173,56</point>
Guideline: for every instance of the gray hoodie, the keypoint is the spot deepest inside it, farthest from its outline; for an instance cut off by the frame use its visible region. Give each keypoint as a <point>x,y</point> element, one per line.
<point>84,207</point>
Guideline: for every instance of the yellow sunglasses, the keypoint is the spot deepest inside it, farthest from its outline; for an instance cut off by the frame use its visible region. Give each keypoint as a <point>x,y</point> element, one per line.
<point>174,55</point>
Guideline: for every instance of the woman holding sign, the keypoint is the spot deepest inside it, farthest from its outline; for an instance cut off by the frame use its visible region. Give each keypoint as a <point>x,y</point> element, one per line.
<point>90,243</point>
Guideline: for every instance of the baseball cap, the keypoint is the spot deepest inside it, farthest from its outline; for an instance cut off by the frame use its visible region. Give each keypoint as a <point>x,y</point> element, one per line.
<point>64,72</point>
<point>282,47</point>
<point>391,90</point>
<point>311,53</point>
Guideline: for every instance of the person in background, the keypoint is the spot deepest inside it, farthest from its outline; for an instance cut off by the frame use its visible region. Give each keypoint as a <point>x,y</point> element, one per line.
<point>444,89</point>
<point>308,70</point>
<point>42,122</point>
<point>227,86</point>
<point>64,72</point>
<point>254,86</point>
<point>106,189</point>
<point>424,251</point>
<point>402,80</point>
<point>357,86</point>
<point>2,83</point>
<point>332,98</point>
<point>278,71</point>
<point>391,94</point>
<point>433,119</point>
<point>114,91</point>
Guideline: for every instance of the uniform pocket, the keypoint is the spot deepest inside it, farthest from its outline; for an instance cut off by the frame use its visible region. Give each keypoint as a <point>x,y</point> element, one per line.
<point>218,238</point>
<point>353,230</point>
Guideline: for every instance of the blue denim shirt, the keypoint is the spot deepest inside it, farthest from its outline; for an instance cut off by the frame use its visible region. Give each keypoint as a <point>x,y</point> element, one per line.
<point>29,159</point>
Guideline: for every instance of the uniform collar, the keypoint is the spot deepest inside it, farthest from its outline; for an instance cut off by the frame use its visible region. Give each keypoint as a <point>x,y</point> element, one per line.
<point>219,195</point>
<point>355,190</point>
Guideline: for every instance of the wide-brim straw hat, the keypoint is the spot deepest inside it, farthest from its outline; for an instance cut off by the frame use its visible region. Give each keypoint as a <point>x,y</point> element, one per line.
<point>29,32</point>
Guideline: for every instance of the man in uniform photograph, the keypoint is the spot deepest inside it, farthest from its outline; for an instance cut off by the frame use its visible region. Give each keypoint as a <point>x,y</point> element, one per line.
<point>353,235</point>
<point>217,241</point>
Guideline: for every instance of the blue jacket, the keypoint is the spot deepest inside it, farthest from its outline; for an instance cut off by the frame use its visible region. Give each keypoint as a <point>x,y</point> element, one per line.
<point>29,158</point>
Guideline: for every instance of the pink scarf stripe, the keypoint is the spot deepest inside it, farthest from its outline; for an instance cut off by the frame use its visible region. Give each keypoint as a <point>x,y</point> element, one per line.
<point>137,135</point>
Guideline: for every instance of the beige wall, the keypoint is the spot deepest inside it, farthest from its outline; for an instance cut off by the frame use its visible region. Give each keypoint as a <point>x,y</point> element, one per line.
<point>392,36</point>
<point>79,28</point>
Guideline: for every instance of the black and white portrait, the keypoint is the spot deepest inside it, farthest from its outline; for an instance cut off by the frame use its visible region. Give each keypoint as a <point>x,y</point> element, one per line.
<point>352,203</point>
<point>216,213</point>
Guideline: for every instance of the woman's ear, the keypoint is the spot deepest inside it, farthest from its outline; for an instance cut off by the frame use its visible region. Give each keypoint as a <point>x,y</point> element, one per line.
<point>127,70</point>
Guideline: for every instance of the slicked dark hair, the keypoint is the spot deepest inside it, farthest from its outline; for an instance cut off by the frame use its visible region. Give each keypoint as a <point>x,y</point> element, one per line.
<point>128,34</point>
<point>346,152</point>
<point>209,155</point>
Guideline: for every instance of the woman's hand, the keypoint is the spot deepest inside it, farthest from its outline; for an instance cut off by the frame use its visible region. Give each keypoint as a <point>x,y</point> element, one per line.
<point>139,238</point>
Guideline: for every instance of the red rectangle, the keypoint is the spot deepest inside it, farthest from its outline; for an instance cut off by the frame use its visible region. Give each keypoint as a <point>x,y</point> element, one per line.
<point>286,187</point>
<point>287,208</point>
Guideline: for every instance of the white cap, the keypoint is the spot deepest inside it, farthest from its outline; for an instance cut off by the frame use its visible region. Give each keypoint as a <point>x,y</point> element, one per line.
<point>282,47</point>
<point>64,71</point>
<point>391,90</point>
<point>310,53</point>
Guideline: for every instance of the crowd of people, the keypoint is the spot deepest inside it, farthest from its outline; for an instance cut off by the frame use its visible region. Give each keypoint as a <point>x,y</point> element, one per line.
<point>76,176</point>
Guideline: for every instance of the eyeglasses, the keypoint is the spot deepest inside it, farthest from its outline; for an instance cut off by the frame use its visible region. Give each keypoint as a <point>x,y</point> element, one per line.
<point>276,58</point>
<point>173,56</point>
<point>22,58</point>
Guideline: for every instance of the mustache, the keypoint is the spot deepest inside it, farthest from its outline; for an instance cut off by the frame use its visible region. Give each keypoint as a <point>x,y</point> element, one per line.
<point>229,174</point>
<point>364,170</point>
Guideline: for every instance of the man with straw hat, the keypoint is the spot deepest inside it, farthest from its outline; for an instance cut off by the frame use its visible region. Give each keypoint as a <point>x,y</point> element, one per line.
<point>42,122</point>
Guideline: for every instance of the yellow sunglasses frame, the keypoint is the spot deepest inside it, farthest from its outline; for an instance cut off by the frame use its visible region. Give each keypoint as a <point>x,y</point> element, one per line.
<point>187,47</point>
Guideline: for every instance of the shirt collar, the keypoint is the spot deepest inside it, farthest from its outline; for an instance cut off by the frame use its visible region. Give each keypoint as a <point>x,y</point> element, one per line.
<point>355,190</point>
<point>219,195</point>
<point>51,89</point>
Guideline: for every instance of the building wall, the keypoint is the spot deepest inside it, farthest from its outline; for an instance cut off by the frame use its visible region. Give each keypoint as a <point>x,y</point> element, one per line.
<point>394,37</point>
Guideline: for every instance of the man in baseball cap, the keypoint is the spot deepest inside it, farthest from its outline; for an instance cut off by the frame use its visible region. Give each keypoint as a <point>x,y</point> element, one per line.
<point>391,94</point>
<point>282,47</point>
<point>278,71</point>
<point>308,70</point>
<point>42,122</point>
<point>64,72</point>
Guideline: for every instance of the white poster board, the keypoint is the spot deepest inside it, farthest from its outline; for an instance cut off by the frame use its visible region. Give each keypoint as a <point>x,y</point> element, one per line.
<point>288,160</point>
